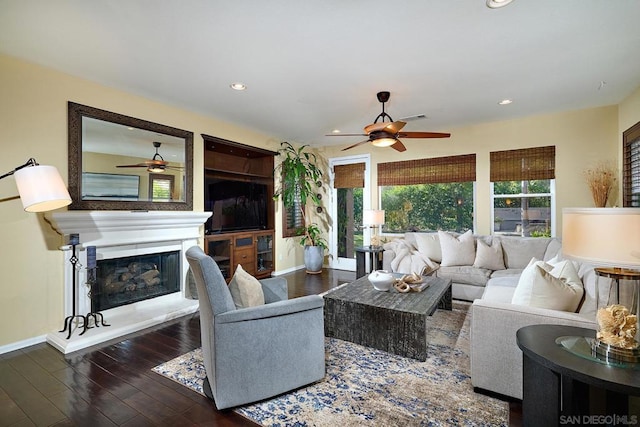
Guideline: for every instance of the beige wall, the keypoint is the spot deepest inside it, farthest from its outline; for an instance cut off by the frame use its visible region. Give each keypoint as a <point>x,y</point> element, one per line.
<point>581,138</point>
<point>33,123</point>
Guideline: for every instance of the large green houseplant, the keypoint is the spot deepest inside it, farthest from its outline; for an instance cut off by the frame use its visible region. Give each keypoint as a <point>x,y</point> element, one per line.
<point>300,179</point>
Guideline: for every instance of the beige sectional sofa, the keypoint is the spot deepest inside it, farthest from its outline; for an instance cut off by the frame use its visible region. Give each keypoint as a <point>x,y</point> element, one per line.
<point>496,360</point>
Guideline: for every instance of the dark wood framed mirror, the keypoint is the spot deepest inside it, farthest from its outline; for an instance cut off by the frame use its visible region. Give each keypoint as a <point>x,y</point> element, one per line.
<point>112,158</point>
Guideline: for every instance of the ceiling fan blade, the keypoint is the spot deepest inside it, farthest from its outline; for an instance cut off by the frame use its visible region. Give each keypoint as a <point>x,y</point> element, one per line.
<point>132,166</point>
<point>423,135</point>
<point>347,134</point>
<point>393,127</point>
<point>355,145</point>
<point>399,146</point>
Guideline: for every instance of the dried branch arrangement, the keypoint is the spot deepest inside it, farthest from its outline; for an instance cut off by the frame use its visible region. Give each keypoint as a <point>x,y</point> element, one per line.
<point>601,180</point>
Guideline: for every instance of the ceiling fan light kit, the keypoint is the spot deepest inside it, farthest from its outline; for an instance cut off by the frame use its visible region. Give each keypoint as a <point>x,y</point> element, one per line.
<point>387,133</point>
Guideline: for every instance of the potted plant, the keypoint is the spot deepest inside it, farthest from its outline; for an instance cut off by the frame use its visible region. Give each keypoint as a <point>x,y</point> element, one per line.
<point>300,178</point>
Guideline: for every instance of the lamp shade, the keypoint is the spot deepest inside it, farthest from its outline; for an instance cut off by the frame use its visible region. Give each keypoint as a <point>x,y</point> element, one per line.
<point>41,188</point>
<point>602,236</point>
<point>372,217</point>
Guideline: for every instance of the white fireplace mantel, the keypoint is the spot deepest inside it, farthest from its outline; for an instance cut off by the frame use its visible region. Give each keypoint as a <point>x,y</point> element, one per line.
<point>117,234</point>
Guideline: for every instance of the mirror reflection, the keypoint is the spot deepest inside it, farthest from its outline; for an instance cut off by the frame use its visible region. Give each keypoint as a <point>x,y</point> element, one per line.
<point>118,162</point>
<point>126,163</point>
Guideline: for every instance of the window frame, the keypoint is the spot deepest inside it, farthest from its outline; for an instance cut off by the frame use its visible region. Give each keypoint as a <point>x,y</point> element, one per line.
<point>551,194</point>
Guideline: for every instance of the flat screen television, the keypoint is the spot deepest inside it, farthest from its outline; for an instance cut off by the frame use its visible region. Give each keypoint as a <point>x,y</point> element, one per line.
<point>236,205</point>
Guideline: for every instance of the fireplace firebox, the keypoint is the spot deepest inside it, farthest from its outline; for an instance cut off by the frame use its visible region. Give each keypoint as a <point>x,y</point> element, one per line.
<point>126,280</point>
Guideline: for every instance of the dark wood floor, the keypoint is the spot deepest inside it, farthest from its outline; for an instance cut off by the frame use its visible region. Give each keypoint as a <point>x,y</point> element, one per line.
<point>113,384</point>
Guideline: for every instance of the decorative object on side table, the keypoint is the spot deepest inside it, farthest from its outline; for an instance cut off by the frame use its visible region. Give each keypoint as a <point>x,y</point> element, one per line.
<point>601,180</point>
<point>609,237</point>
<point>373,218</point>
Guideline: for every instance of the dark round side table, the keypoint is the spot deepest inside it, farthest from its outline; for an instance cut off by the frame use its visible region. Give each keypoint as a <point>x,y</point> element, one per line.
<point>563,387</point>
<point>375,257</point>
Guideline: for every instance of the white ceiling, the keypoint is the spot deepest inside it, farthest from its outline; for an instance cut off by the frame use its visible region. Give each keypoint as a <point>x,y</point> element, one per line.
<point>313,66</point>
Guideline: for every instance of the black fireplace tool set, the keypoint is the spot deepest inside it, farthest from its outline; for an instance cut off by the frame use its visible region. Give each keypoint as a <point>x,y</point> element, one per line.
<point>91,319</point>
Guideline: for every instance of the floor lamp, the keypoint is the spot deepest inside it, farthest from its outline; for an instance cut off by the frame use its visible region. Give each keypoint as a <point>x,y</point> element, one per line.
<point>40,187</point>
<point>608,238</point>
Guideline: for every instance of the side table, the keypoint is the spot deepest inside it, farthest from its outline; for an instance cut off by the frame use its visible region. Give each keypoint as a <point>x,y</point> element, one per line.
<point>375,256</point>
<point>558,385</point>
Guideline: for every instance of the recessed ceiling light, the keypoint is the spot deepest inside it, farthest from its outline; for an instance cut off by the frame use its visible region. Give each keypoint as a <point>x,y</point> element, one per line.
<point>505,102</point>
<point>335,131</point>
<point>238,86</point>
<point>495,4</point>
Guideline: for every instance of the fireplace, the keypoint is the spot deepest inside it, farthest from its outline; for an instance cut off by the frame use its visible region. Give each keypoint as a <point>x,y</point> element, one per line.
<point>141,276</point>
<point>127,280</point>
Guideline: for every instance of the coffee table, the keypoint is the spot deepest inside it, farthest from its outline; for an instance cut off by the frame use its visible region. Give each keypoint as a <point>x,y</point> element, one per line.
<point>389,321</point>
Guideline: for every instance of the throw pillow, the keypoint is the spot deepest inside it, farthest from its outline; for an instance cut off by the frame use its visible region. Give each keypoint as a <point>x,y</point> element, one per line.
<point>489,257</point>
<point>246,290</point>
<point>459,250</point>
<point>429,246</point>
<point>555,287</point>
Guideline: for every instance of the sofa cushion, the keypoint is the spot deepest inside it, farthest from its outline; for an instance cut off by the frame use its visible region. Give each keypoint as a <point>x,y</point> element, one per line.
<point>465,274</point>
<point>459,250</point>
<point>518,251</point>
<point>489,257</point>
<point>246,290</point>
<point>429,246</point>
<point>555,287</point>
<point>509,272</point>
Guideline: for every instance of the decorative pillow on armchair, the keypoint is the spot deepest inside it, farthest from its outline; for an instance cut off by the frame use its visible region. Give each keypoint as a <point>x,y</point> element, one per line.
<point>459,250</point>
<point>246,290</point>
<point>556,287</point>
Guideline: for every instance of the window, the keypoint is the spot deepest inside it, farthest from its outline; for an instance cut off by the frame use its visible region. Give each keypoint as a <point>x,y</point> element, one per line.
<point>428,194</point>
<point>160,187</point>
<point>523,191</point>
<point>631,166</point>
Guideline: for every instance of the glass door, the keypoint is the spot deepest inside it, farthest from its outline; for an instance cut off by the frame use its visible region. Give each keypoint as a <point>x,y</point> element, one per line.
<point>348,201</point>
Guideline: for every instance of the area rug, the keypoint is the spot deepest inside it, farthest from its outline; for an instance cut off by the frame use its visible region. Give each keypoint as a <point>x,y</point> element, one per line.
<point>368,387</point>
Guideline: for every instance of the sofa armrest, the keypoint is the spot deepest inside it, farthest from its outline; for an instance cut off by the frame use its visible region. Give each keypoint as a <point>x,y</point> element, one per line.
<point>274,289</point>
<point>496,360</point>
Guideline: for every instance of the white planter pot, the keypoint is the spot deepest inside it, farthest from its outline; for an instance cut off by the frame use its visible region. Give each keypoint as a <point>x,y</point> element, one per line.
<point>313,259</point>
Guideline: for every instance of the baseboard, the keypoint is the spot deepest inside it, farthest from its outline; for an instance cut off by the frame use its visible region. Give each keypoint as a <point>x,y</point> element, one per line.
<point>22,344</point>
<point>287,271</point>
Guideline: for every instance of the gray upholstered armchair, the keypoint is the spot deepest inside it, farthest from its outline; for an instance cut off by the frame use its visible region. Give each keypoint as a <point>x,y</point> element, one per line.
<point>255,353</point>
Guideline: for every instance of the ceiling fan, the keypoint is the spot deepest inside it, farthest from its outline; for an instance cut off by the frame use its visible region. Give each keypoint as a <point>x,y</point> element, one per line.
<point>387,134</point>
<point>156,164</point>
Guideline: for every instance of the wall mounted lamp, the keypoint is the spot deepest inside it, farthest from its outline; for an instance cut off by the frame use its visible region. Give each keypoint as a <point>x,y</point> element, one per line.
<point>40,187</point>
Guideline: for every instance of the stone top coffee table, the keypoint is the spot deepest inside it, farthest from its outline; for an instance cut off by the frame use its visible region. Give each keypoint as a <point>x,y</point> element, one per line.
<point>389,321</point>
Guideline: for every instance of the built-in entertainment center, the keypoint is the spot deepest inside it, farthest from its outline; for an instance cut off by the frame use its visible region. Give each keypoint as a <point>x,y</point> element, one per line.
<point>238,190</point>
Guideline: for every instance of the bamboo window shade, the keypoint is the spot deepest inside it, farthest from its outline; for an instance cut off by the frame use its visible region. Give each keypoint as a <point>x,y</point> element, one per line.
<point>428,171</point>
<point>523,164</point>
<point>349,176</point>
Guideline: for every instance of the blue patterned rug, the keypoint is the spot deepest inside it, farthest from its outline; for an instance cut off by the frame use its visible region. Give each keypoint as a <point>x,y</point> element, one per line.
<point>364,386</point>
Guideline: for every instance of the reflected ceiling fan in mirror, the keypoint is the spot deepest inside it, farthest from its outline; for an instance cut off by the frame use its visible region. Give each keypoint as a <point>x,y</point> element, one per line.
<point>387,133</point>
<point>157,163</point>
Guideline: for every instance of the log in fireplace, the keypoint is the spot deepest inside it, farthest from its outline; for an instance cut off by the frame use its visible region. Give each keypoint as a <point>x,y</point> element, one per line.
<point>126,280</point>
